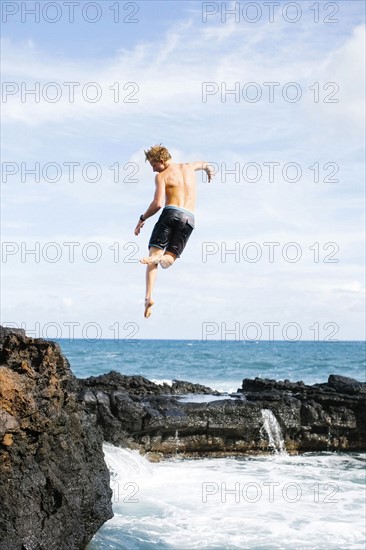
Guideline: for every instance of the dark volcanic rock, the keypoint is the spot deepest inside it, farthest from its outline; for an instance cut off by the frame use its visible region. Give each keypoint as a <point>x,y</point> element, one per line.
<point>133,385</point>
<point>151,418</point>
<point>342,384</point>
<point>54,484</point>
<point>140,386</point>
<point>332,415</point>
<point>261,384</point>
<point>180,387</point>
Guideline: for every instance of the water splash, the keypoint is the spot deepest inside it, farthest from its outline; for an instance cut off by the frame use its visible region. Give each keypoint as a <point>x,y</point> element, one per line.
<point>274,432</point>
<point>126,464</point>
<point>176,442</point>
<point>171,513</point>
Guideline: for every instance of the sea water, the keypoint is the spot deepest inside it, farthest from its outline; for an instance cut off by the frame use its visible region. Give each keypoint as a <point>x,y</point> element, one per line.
<point>220,365</point>
<point>277,501</point>
<point>270,502</point>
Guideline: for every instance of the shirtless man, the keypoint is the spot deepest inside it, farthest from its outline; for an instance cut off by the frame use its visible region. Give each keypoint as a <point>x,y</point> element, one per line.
<point>175,184</point>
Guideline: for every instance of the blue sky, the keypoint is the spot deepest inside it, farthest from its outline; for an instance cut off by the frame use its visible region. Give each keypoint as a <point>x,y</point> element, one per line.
<point>163,60</point>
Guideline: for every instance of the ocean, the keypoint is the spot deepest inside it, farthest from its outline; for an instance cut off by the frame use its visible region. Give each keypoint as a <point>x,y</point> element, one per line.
<point>309,501</point>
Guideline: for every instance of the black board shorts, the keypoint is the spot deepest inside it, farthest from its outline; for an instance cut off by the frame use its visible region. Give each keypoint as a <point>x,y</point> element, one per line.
<point>172,230</point>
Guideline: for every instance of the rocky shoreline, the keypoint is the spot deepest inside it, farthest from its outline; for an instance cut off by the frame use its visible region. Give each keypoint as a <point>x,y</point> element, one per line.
<point>54,483</point>
<point>136,413</point>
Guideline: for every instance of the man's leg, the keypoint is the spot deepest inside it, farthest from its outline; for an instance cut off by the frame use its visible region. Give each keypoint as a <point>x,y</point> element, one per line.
<point>155,255</point>
<point>167,260</point>
<point>151,271</point>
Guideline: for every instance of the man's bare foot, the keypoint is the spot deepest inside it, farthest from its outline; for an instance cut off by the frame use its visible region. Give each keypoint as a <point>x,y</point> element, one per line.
<point>151,260</point>
<point>148,305</point>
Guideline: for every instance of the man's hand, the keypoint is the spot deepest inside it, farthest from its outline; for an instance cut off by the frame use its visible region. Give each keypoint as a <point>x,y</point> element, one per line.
<point>202,165</point>
<point>209,172</point>
<point>138,227</point>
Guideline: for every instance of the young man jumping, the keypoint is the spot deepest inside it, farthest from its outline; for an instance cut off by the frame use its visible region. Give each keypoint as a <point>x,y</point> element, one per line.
<point>175,186</point>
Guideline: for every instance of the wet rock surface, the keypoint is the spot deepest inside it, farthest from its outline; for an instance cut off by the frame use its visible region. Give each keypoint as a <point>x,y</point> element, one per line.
<point>54,483</point>
<point>137,413</point>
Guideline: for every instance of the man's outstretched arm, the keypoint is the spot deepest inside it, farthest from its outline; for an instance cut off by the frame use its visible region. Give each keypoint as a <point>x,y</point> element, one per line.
<point>202,165</point>
<point>155,205</point>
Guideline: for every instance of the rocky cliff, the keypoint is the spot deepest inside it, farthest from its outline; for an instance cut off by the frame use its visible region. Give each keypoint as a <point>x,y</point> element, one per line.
<point>54,484</point>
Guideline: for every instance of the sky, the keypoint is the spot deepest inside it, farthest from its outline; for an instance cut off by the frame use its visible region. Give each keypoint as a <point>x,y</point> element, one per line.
<point>270,93</point>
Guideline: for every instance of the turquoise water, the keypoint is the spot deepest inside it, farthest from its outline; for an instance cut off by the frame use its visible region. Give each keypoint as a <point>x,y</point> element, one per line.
<point>220,365</point>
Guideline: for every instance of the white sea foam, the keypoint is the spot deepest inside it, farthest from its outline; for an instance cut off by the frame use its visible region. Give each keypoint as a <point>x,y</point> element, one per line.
<point>263,503</point>
<point>222,387</point>
<point>162,381</point>
<point>202,398</point>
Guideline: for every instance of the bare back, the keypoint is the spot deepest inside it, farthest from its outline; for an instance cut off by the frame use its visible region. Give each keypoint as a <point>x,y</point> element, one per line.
<point>180,185</point>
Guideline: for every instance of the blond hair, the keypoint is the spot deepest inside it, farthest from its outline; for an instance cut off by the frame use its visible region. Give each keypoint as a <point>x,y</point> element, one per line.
<point>157,153</point>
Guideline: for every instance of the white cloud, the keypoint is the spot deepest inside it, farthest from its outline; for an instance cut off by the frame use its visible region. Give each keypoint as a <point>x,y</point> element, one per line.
<point>169,71</point>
